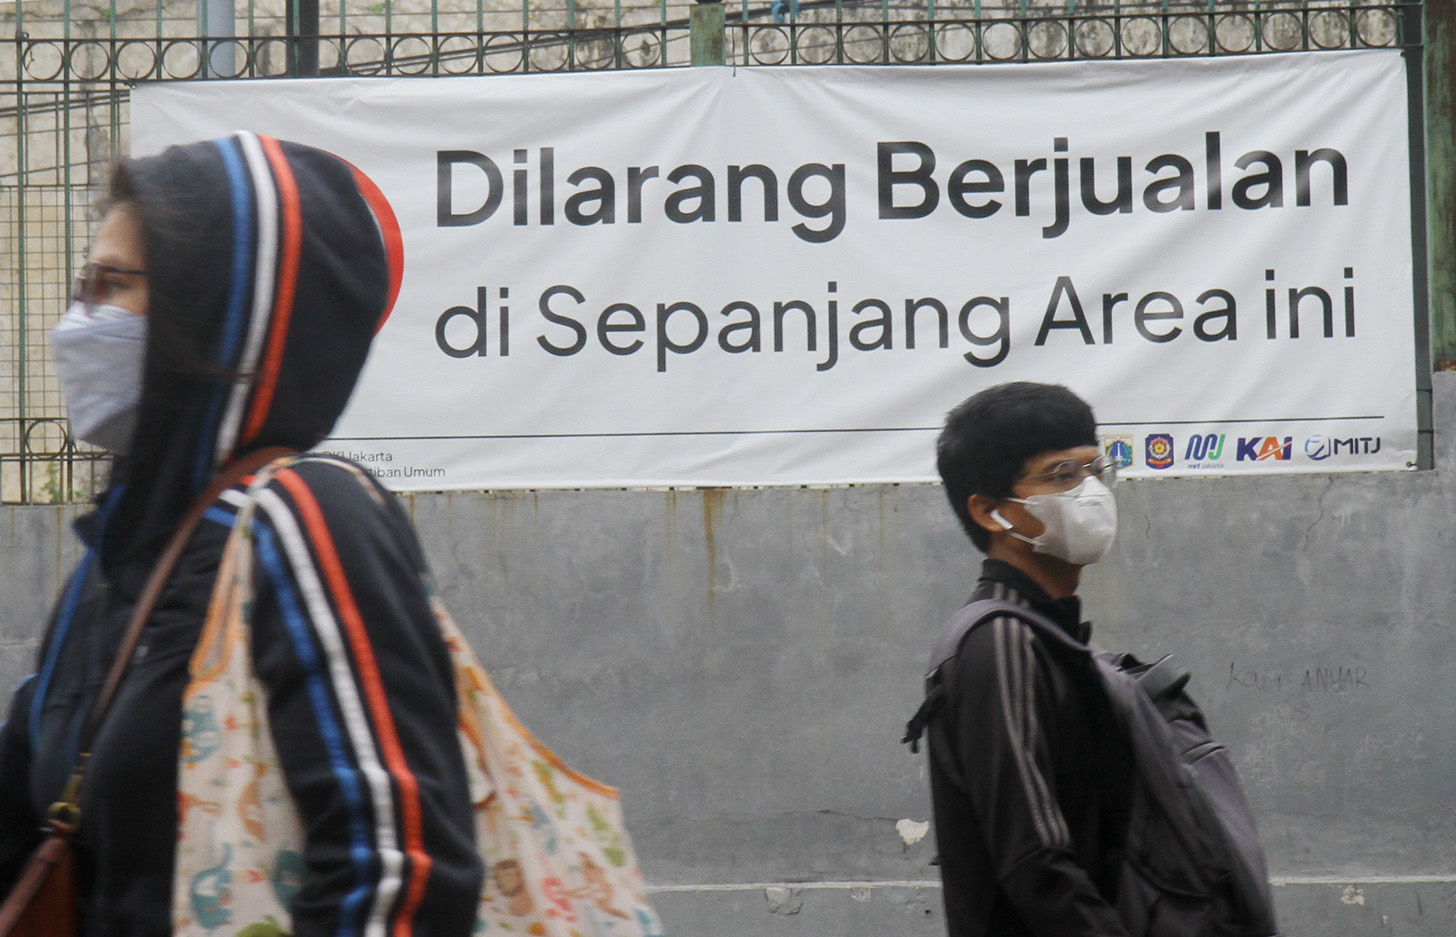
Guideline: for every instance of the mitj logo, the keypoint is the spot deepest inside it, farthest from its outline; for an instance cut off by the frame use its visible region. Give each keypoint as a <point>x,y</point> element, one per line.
<point>1320,447</point>
<point>388,230</point>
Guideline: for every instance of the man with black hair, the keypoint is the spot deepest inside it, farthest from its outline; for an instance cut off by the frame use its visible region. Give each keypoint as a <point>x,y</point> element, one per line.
<point>1028,777</point>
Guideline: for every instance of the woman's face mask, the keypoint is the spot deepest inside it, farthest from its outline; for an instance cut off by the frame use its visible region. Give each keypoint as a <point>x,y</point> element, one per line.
<point>1080,524</point>
<point>100,343</point>
<point>98,352</point>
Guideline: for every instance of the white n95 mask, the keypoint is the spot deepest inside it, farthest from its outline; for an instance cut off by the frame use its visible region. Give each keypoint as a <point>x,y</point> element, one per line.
<point>99,354</point>
<point>1080,524</point>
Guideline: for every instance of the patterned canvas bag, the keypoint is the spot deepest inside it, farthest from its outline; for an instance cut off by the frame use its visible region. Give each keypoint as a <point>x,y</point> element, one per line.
<point>558,859</point>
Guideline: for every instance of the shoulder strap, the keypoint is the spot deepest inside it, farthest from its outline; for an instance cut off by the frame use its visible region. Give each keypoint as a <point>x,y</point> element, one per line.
<point>983,610</point>
<point>67,809</point>
<point>949,643</point>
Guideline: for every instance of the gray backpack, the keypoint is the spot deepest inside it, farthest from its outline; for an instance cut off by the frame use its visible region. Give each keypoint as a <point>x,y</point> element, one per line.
<point>1192,865</point>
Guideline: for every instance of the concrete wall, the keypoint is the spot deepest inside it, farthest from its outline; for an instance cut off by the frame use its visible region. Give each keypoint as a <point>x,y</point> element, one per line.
<point>742,664</point>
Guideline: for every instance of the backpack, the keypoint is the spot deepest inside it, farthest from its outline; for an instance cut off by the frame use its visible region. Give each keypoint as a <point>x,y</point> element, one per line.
<point>1191,863</point>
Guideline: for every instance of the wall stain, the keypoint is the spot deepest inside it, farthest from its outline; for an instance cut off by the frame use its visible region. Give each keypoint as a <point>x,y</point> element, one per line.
<point>712,516</point>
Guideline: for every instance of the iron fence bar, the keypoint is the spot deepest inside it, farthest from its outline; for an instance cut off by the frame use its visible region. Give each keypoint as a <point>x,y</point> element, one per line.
<point>839,30</point>
<point>1416,103</point>
<point>67,165</point>
<point>617,51</point>
<point>885,33</point>
<point>22,220</point>
<point>525,36</point>
<point>1438,34</point>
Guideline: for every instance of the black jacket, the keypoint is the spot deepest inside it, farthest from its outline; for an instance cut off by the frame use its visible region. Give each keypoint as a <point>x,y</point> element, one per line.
<point>1027,779</point>
<point>267,281</point>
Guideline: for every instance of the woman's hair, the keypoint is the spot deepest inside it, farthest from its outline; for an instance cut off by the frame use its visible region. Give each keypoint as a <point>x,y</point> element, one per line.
<point>120,189</point>
<point>989,437</point>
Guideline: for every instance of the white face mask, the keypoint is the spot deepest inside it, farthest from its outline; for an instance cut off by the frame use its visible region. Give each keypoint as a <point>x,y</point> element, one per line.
<point>98,354</point>
<point>1080,524</point>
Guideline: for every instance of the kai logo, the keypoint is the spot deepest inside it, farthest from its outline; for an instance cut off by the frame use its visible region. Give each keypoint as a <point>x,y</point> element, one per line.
<point>1266,449</point>
<point>1118,449</point>
<point>1158,450</point>
<point>1203,446</point>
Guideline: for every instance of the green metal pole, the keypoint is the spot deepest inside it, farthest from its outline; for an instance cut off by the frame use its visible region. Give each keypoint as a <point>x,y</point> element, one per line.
<point>705,33</point>
<point>22,276</point>
<point>1440,83</point>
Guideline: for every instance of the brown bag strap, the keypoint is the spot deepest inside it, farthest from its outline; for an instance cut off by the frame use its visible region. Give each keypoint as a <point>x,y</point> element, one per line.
<point>234,472</point>
<point>64,815</point>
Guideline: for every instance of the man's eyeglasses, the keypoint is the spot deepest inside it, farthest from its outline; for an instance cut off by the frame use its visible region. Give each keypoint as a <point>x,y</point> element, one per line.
<point>96,283</point>
<point>1065,476</point>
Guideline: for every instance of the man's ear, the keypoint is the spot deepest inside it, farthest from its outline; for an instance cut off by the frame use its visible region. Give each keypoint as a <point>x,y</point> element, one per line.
<point>980,508</point>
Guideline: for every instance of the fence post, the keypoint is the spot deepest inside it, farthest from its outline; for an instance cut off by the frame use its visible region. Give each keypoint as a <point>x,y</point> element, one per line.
<point>1440,83</point>
<point>302,25</point>
<point>705,32</point>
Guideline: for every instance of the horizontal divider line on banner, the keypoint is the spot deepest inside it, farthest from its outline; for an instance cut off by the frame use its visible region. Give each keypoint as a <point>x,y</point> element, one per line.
<point>694,432</point>
<point>781,432</point>
<point>1221,422</point>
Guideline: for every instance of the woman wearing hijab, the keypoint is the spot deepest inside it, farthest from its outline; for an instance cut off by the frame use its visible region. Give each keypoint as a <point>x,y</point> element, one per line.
<point>228,306</point>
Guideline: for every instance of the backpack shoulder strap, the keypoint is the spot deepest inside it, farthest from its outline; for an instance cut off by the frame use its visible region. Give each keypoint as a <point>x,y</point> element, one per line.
<point>949,644</point>
<point>983,610</point>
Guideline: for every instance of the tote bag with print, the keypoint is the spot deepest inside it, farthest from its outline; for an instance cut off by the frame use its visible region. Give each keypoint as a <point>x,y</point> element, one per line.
<point>558,859</point>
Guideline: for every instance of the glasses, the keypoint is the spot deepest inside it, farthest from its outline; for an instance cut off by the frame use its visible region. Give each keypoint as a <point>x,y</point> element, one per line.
<point>1065,476</point>
<point>96,283</point>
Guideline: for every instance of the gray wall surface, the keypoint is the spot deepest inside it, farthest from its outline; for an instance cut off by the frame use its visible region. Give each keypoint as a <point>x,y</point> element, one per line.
<point>742,663</point>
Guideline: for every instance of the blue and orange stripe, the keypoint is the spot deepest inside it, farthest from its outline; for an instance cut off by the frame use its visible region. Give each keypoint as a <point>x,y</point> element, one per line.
<point>332,733</point>
<point>387,735</point>
<point>235,321</point>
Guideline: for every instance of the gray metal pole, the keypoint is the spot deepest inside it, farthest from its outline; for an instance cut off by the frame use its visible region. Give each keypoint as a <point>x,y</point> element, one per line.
<point>217,19</point>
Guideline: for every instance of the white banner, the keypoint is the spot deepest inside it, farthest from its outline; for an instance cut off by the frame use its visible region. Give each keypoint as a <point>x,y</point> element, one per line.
<point>787,276</point>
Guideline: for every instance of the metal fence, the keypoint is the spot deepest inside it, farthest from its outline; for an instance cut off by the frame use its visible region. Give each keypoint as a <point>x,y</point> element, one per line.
<point>67,70</point>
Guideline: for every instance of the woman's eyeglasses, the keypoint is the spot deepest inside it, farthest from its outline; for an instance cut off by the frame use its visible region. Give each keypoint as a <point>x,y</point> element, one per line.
<point>96,283</point>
